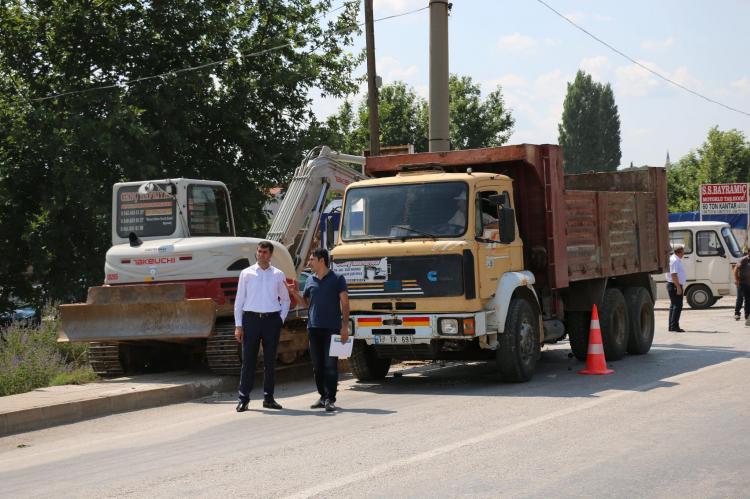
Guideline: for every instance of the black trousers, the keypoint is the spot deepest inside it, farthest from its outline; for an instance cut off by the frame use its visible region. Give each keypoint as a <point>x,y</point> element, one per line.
<point>675,306</point>
<point>743,291</point>
<point>325,367</point>
<point>257,329</point>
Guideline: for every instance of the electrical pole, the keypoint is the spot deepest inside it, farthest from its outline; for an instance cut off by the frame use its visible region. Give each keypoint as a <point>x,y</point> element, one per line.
<point>372,87</point>
<point>439,124</point>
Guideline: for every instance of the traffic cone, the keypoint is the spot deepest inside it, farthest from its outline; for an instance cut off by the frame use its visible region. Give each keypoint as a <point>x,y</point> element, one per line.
<point>595,362</point>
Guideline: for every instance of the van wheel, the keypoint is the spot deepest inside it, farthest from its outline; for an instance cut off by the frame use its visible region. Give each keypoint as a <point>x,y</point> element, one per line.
<point>519,347</point>
<point>613,318</point>
<point>699,296</point>
<point>640,320</point>
<point>577,326</point>
<point>365,364</point>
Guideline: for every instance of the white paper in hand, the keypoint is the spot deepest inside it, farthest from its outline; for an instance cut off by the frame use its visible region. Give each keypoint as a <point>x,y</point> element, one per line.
<point>338,349</point>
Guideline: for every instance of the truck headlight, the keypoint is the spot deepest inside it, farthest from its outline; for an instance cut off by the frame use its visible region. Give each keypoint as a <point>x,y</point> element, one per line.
<point>448,326</point>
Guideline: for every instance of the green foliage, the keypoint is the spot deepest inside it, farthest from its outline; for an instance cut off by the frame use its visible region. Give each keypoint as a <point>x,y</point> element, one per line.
<point>245,122</point>
<point>590,127</point>
<point>31,358</point>
<point>723,158</point>
<point>404,119</point>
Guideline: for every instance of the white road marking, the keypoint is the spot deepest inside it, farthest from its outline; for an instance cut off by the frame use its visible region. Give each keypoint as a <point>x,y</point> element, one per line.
<point>378,471</point>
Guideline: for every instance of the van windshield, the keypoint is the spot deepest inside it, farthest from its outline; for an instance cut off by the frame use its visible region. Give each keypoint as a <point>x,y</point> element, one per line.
<point>406,211</point>
<point>731,242</point>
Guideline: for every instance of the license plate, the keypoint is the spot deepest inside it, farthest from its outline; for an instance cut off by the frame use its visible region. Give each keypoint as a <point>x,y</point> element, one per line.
<point>392,339</point>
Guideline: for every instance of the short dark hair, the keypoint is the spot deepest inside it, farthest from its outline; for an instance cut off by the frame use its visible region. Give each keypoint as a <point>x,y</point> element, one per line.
<point>321,253</point>
<point>266,245</point>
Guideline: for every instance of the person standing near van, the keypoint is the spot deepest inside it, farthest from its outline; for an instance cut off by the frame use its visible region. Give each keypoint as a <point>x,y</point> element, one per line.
<point>742,278</point>
<point>676,279</point>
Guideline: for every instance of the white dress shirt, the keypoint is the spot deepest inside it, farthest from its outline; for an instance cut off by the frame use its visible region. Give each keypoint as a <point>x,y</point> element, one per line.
<point>676,267</point>
<point>261,291</point>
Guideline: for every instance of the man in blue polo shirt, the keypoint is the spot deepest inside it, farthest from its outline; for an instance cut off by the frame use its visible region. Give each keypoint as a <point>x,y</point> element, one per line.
<point>327,300</point>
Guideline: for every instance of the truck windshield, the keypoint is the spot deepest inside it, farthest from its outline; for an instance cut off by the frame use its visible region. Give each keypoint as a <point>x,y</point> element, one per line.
<point>405,211</point>
<point>731,242</point>
<point>208,211</point>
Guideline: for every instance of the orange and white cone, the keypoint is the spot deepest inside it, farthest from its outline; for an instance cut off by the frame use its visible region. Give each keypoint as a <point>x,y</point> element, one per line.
<point>595,362</point>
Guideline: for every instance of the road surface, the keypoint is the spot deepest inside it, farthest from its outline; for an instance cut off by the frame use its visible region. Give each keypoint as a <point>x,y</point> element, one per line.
<point>673,423</point>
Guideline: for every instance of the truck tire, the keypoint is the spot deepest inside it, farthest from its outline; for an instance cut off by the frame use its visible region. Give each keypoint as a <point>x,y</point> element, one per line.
<point>365,364</point>
<point>699,297</point>
<point>640,319</point>
<point>613,319</point>
<point>519,347</point>
<point>577,326</point>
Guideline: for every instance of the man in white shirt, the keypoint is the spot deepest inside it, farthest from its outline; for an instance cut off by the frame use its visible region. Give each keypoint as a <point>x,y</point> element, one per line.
<point>676,279</point>
<point>260,308</point>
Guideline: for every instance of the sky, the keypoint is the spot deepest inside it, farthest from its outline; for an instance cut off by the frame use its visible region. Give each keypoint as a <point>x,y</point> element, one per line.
<point>532,54</point>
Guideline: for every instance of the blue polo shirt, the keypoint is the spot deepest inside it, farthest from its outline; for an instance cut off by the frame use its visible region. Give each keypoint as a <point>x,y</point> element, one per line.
<point>323,297</point>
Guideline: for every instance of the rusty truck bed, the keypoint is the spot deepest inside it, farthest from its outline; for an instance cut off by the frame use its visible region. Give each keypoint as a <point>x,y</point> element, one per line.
<point>584,226</point>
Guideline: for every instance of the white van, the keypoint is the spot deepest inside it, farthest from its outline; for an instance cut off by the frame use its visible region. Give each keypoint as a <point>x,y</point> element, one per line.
<point>711,251</point>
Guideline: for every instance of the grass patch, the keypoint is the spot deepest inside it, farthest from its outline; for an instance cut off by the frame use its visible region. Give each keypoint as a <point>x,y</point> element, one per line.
<point>31,358</point>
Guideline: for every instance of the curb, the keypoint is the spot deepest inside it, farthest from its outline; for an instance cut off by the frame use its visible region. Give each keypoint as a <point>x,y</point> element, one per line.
<point>35,418</point>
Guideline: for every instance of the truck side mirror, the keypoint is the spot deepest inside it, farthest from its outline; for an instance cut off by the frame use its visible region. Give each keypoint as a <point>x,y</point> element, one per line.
<point>330,233</point>
<point>507,218</point>
<point>722,253</point>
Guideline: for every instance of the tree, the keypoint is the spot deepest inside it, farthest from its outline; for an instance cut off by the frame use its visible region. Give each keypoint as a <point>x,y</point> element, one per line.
<point>243,121</point>
<point>723,158</point>
<point>404,118</point>
<point>590,127</point>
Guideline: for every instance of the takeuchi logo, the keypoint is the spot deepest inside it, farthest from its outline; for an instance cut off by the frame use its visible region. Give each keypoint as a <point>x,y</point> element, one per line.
<point>154,261</point>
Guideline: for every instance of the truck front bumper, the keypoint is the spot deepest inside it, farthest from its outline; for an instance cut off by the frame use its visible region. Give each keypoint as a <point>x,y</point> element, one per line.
<point>410,329</point>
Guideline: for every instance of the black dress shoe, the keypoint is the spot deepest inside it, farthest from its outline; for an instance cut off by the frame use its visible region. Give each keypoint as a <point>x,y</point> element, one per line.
<point>321,403</point>
<point>678,330</point>
<point>242,406</point>
<point>271,404</point>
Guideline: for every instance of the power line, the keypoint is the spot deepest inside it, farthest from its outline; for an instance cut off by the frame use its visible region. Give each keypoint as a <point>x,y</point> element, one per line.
<point>239,55</point>
<point>655,73</point>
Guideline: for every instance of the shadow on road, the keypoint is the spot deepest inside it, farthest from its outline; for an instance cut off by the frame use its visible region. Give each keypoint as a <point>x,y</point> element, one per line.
<point>556,374</point>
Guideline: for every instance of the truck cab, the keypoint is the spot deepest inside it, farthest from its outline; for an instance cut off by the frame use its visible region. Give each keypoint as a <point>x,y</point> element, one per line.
<point>711,252</point>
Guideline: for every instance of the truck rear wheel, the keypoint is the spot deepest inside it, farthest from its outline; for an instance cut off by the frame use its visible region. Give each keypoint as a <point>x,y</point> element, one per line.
<point>641,320</point>
<point>577,326</point>
<point>699,297</point>
<point>613,318</point>
<point>365,364</point>
<point>519,347</point>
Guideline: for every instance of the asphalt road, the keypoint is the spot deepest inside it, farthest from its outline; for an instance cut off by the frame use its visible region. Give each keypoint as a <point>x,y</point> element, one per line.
<point>673,423</point>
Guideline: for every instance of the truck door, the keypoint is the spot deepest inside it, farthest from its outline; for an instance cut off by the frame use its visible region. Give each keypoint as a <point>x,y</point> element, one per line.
<point>685,237</point>
<point>493,258</point>
<point>711,263</point>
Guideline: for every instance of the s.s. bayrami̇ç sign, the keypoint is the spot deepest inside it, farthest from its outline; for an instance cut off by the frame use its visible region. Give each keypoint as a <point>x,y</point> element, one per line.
<point>724,199</point>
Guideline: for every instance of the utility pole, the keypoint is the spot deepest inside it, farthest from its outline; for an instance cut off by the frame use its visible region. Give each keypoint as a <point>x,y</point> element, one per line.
<point>439,124</point>
<point>372,87</point>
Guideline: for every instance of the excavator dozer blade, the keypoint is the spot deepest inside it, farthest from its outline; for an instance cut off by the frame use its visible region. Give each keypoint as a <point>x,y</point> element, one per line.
<point>138,312</point>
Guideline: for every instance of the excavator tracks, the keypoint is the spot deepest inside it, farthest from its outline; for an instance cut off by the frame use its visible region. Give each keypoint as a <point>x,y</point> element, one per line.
<point>105,359</point>
<point>223,353</point>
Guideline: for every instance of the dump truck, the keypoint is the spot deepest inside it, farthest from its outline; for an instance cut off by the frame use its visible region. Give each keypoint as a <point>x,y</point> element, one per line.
<point>171,275</point>
<point>490,253</point>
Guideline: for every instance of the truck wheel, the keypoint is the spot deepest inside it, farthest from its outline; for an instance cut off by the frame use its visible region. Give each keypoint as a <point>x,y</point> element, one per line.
<point>365,364</point>
<point>519,347</point>
<point>699,296</point>
<point>613,319</point>
<point>577,326</point>
<point>641,320</point>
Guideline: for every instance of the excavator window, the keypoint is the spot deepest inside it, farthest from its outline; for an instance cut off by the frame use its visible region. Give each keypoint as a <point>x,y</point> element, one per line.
<point>208,211</point>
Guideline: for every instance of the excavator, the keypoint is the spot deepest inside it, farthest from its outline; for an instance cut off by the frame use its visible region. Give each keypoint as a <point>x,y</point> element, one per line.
<point>172,271</point>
